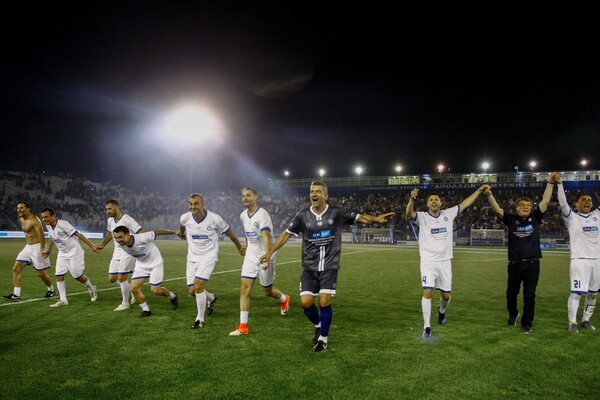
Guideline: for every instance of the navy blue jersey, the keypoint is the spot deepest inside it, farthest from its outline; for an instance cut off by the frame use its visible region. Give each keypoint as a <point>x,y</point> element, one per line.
<point>523,235</point>
<point>321,236</point>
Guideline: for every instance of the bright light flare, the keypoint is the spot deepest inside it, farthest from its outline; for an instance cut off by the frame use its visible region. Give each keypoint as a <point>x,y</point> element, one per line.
<point>192,124</point>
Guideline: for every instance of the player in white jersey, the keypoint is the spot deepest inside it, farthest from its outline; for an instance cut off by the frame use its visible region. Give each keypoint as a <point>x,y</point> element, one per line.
<point>31,254</point>
<point>584,271</point>
<point>202,228</point>
<point>121,264</point>
<point>70,254</point>
<point>435,248</point>
<point>258,230</point>
<point>148,264</point>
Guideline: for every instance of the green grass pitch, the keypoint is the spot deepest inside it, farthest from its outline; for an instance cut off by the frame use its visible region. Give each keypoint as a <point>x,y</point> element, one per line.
<point>86,350</point>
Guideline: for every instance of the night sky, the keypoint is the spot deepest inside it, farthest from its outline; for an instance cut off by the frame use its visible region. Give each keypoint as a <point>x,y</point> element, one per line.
<point>297,89</point>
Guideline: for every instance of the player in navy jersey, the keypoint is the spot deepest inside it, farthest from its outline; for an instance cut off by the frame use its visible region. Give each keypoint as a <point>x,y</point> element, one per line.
<point>523,253</point>
<point>321,229</point>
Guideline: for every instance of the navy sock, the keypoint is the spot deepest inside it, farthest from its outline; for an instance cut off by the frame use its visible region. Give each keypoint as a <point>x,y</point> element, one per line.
<point>312,313</point>
<point>326,317</point>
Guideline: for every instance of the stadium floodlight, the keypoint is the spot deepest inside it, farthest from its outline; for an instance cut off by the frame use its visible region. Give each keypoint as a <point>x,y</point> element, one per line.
<point>191,124</point>
<point>440,168</point>
<point>398,168</point>
<point>485,165</point>
<point>321,172</point>
<point>584,163</point>
<point>358,170</point>
<point>286,173</point>
<point>532,165</point>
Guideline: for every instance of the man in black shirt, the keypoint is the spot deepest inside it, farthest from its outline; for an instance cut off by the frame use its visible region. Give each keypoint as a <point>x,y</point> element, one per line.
<point>321,228</point>
<point>524,253</point>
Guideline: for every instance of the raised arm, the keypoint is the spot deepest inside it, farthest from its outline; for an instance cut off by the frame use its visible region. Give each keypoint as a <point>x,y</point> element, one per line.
<point>493,203</point>
<point>543,206</point>
<point>410,207</point>
<point>371,219</point>
<point>466,203</point>
<point>88,242</point>
<point>565,208</point>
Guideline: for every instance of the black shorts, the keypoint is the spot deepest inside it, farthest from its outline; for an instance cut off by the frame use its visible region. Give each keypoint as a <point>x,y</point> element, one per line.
<point>315,282</point>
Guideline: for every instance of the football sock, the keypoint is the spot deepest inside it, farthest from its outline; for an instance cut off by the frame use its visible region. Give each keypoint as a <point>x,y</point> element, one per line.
<point>145,306</point>
<point>125,291</point>
<point>209,296</point>
<point>443,305</point>
<point>244,317</point>
<point>326,317</point>
<point>572,307</point>
<point>426,307</point>
<point>62,290</point>
<point>172,295</point>
<point>588,307</point>
<point>312,313</point>
<point>88,284</point>
<point>51,288</point>
<point>201,305</point>
<point>282,298</point>
<point>17,291</point>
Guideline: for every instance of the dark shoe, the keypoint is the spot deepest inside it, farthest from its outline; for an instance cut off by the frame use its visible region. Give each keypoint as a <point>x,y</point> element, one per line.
<point>49,294</point>
<point>573,328</point>
<point>210,305</point>
<point>198,324</point>
<point>145,314</point>
<point>320,346</point>
<point>426,333</point>
<point>12,297</point>
<point>316,335</point>
<point>174,303</point>
<point>588,325</point>
<point>441,317</point>
<point>513,321</point>
<point>527,329</point>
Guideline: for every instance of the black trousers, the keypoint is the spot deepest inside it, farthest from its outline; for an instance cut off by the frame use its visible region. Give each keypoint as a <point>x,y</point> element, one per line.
<point>528,272</point>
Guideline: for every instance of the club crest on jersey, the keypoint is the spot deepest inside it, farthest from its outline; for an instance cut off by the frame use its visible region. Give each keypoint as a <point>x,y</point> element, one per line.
<point>446,219</point>
<point>330,221</point>
<point>256,224</point>
<point>307,225</point>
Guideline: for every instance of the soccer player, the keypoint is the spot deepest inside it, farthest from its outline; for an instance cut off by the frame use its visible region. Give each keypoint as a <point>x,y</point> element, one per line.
<point>258,228</point>
<point>321,229</point>
<point>201,228</point>
<point>148,264</point>
<point>584,271</point>
<point>121,264</point>
<point>435,249</point>
<point>70,254</point>
<point>31,254</point>
<point>524,253</point>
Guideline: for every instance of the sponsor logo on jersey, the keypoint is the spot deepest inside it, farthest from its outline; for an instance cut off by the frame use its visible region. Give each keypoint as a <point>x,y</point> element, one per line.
<point>319,223</point>
<point>524,228</point>
<point>590,229</point>
<point>330,221</point>
<point>199,237</point>
<point>251,234</point>
<point>436,231</point>
<point>321,234</point>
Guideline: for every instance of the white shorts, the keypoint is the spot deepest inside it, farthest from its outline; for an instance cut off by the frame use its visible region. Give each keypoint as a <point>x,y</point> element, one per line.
<point>199,270</point>
<point>437,275</point>
<point>154,272</point>
<point>32,255</point>
<point>253,268</point>
<point>121,265</point>
<point>75,265</point>
<point>584,275</point>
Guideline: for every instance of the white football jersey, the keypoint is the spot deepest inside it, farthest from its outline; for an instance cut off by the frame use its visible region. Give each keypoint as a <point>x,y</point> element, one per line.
<point>584,234</point>
<point>254,225</point>
<point>144,250</point>
<point>436,234</point>
<point>64,237</point>
<point>203,236</point>
<point>126,221</point>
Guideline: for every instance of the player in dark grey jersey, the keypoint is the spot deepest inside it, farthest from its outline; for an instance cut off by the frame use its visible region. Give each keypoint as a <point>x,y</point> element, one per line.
<point>321,229</point>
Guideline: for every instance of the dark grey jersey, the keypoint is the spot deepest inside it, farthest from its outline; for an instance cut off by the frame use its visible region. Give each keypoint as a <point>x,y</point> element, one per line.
<point>321,236</point>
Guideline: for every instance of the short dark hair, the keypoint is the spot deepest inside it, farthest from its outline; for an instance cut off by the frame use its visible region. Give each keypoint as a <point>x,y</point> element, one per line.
<point>48,210</point>
<point>254,192</point>
<point>582,194</point>
<point>196,195</point>
<point>319,183</point>
<point>434,194</point>
<point>527,199</point>
<point>113,202</point>
<point>121,229</point>
<point>25,203</point>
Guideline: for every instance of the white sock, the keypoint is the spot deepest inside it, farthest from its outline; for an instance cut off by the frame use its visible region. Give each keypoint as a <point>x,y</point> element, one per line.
<point>17,291</point>
<point>426,307</point>
<point>323,339</point>
<point>444,305</point>
<point>282,298</point>
<point>201,305</point>
<point>126,291</point>
<point>572,307</point>
<point>145,306</point>
<point>209,296</point>
<point>172,295</point>
<point>51,288</point>
<point>244,317</point>
<point>588,307</point>
<point>62,290</point>
<point>89,285</point>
